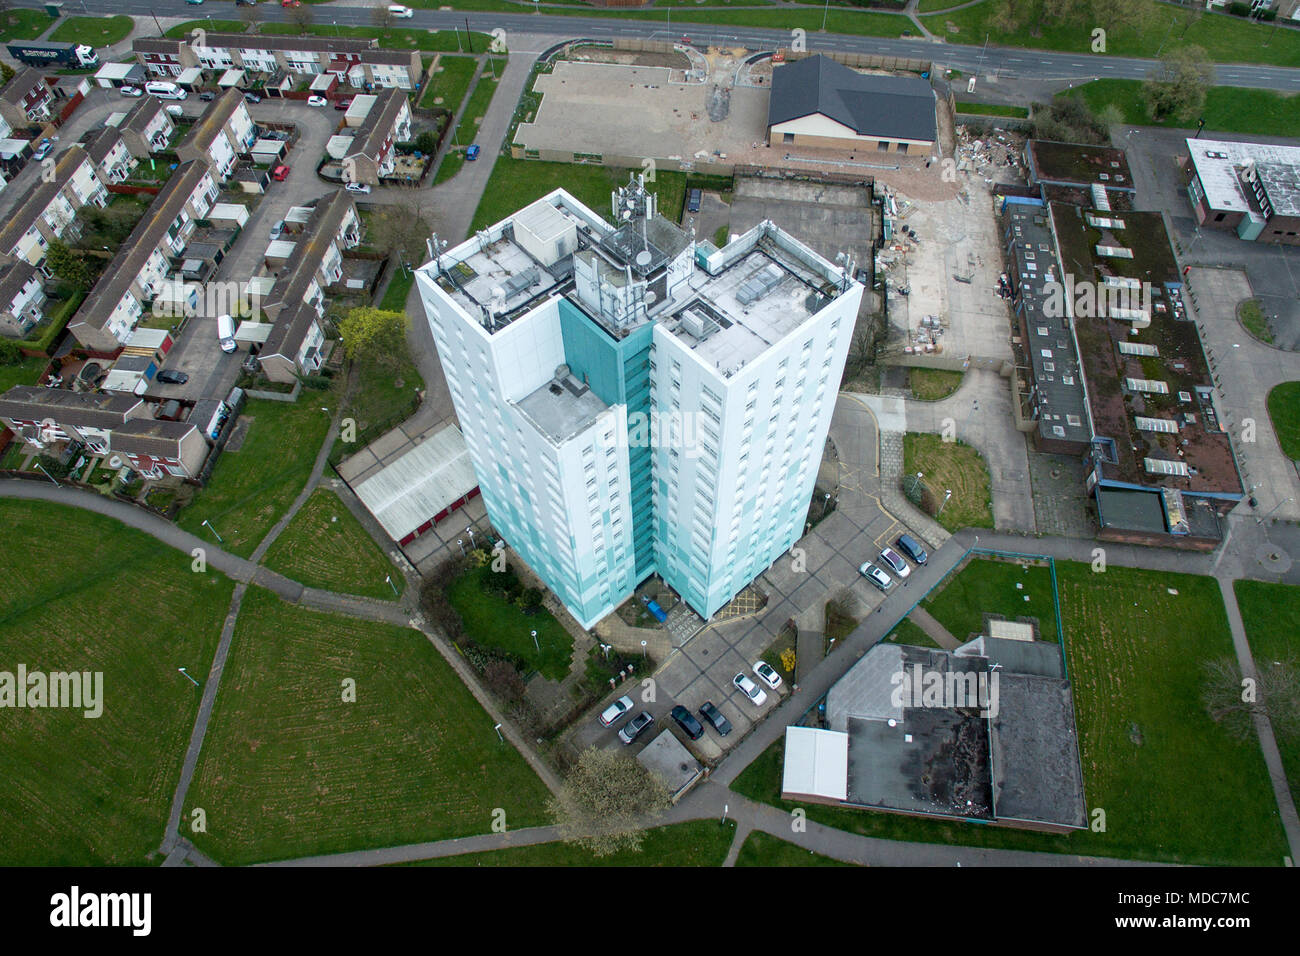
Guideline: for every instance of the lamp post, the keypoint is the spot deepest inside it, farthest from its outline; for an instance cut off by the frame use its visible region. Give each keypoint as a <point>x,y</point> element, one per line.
<point>188,677</point>
<point>48,475</point>
<point>497,728</point>
<point>388,578</point>
<point>1260,520</point>
<point>536,646</point>
<point>470,531</point>
<point>826,7</point>
<point>826,503</point>
<point>916,482</point>
<point>946,495</point>
<point>460,543</point>
<point>213,530</point>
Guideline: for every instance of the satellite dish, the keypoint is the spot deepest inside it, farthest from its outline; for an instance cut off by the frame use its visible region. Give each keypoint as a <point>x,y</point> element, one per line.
<point>643,258</point>
<point>115,462</point>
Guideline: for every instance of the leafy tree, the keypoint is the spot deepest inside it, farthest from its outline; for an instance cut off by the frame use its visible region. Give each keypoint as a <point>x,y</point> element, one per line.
<point>1234,705</point>
<point>10,353</point>
<point>6,73</point>
<point>69,265</point>
<point>607,802</point>
<point>375,335</point>
<point>1176,88</point>
<point>1069,120</point>
<point>427,142</point>
<point>529,600</point>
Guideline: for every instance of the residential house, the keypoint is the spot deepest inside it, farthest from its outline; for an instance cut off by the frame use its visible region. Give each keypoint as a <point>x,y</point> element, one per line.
<point>22,297</point>
<point>147,128</point>
<point>27,99</point>
<point>223,133</point>
<point>158,449</point>
<point>316,261</point>
<point>109,152</point>
<point>49,209</point>
<point>294,346</point>
<point>139,269</point>
<point>163,57</point>
<point>372,153</point>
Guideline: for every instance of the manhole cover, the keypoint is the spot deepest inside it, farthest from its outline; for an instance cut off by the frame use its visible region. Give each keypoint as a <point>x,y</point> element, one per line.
<point>1272,557</point>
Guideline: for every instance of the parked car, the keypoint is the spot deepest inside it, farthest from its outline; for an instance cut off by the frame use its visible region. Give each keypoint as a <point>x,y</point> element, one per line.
<point>194,3</point>
<point>252,98</point>
<point>876,576</point>
<point>357,188</point>
<point>316,101</point>
<point>895,562</point>
<point>633,728</point>
<point>130,91</point>
<point>174,110</point>
<point>279,173</point>
<point>615,710</point>
<point>693,203</point>
<point>207,96</point>
<point>43,149</point>
<point>245,3</point>
<point>912,548</point>
<point>400,12</point>
<point>343,103</point>
<point>277,230</point>
<point>714,717</point>
<point>171,377</point>
<point>686,720</point>
<point>750,689</point>
<point>767,674</point>
<point>291,3</point>
<point>471,154</point>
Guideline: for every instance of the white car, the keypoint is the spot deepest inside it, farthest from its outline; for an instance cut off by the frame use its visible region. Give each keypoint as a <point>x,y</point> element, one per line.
<point>130,91</point>
<point>399,11</point>
<point>357,188</point>
<point>767,674</point>
<point>750,689</point>
<point>615,710</point>
<point>895,562</point>
<point>316,101</point>
<point>876,576</point>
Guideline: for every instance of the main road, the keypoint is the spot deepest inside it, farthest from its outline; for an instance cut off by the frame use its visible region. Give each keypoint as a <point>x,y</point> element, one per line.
<point>1009,63</point>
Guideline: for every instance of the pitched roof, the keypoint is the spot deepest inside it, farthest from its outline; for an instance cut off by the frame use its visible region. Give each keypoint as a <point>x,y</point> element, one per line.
<point>378,124</point>
<point>14,275</point>
<point>309,250</point>
<point>152,436</point>
<point>157,45</point>
<point>288,332</point>
<point>35,201</point>
<point>890,107</point>
<point>66,407</point>
<point>213,120</point>
<point>99,143</point>
<point>142,114</point>
<point>246,41</point>
<point>16,90</point>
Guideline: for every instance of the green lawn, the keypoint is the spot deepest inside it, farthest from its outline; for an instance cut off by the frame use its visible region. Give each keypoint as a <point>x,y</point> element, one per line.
<point>450,166</point>
<point>1284,411</point>
<point>253,487</point>
<point>290,769</point>
<point>698,843</point>
<point>1271,614</point>
<point>326,547</point>
<point>1225,39</point>
<point>515,183</point>
<point>183,30</point>
<point>399,288</point>
<point>23,24</point>
<point>384,397</point>
<point>93,31</point>
<point>390,38</point>
<point>763,849</point>
<point>993,109</point>
<point>995,587</point>
<point>450,83</point>
<point>949,466</point>
<point>83,592</point>
<point>1228,109</point>
<point>932,384</point>
<point>1135,654</point>
<point>907,632</point>
<point>494,623</point>
<point>480,100</point>
<point>1253,320</point>
<point>25,372</point>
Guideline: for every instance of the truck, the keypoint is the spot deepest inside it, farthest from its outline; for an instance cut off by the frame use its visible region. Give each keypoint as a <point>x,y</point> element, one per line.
<point>226,333</point>
<point>36,53</point>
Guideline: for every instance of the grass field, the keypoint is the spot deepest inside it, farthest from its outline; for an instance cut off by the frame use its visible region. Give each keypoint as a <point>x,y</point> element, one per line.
<point>932,384</point>
<point>906,632</point>
<point>83,592</point>
<point>452,161</point>
<point>23,24</point>
<point>763,849</point>
<point>1135,653</point>
<point>450,83</point>
<point>1228,109</point>
<point>993,109</point>
<point>25,372</point>
<point>385,395</point>
<point>950,466</point>
<point>1253,321</point>
<point>253,487</point>
<point>699,843</point>
<point>326,547</point>
<point>1284,412</point>
<point>93,31</point>
<point>290,769</point>
<point>481,99</point>
<point>1271,614</point>
<point>1225,39</point>
<point>494,623</point>
<point>515,183</point>
<point>995,587</point>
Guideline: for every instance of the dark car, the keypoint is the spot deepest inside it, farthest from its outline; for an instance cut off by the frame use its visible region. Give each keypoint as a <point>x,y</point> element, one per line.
<point>252,98</point>
<point>171,377</point>
<point>207,96</point>
<point>714,717</point>
<point>693,203</point>
<point>245,3</point>
<point>343,103</point>
<point>633,728</point>
<point>912,548</point>
<point>686,720</point>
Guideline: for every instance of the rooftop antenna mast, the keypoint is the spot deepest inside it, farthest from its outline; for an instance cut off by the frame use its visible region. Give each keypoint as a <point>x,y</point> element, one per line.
<point>435,248</point>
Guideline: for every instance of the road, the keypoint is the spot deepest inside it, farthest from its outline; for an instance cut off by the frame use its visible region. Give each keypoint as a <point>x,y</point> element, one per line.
<point>1006,62</point>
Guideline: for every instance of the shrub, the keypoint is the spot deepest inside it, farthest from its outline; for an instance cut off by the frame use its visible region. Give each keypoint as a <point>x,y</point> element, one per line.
<point>10,353</point>
<point>318,382</point>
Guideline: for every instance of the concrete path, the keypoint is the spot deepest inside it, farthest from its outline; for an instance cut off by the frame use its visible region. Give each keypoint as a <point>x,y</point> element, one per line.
<point>933,629</point>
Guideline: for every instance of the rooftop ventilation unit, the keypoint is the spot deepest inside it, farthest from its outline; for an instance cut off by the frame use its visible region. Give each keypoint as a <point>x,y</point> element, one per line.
<point>759,284</point>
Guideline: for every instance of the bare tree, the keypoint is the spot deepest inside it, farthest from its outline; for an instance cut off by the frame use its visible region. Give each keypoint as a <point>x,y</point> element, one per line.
<point>380,15</point>
<point>1233,702</point>
<point>607,801</point>
<point>252,17</point>
<point>302,17</point>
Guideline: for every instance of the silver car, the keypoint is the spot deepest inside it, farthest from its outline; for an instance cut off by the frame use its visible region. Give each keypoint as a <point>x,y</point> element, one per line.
<point>876,576</point>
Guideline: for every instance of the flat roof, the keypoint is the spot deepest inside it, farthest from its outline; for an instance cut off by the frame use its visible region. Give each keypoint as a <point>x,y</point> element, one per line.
<point>407,492</point>
<point>561,409</point>
<point>1078,164</point>
<point>1218,165</point>
<point>669,760</point>
<point>816,763</point>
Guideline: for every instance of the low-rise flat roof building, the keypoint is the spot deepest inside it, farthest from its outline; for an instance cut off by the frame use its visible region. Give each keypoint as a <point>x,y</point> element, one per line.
<point>1250,188</point>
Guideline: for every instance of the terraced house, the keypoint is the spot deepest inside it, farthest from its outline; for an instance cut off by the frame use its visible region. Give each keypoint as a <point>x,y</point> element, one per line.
<point>109,152</point>
<point>48,211</point>
<point>22,297</point>
<point>382,122</point>
<point>146,128</point>
<point>26,99</point>
<point>139,269</point>
<point>635,402</point>
<point>222,134</point>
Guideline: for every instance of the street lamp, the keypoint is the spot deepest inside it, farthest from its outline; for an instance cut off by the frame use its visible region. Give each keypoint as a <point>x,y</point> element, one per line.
<point>536,646</point>
<point>388,578</point>
<point>47,474</point>
<point>826,503</point>
<point>187,676</point>
<point>1274,508</point>
<point>916,483</point>
<point>213,530</point>
<point>460,543</point>
<point>946,496</point>
<point>470,532</point>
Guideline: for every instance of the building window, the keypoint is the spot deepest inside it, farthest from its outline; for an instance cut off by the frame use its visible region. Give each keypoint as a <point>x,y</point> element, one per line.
<point>883,146</point>
<point>787,137</point>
